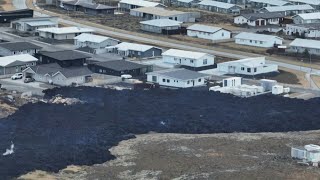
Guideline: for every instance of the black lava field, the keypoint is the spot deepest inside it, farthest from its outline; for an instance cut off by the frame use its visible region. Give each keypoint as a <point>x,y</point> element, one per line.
<point>51,136</point>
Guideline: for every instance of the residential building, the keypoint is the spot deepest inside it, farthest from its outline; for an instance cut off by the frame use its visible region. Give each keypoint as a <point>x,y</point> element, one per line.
<point>178,78</point>
<point>87,7</point>
<point>8,16</point>
<point>16,63</point>
<point>248,67</point>
<point>57,75</point>
<point>219,7</point>
<point>187,59</point>
<point>267,3</point>
<point>120,67</point>
<point>187,3</point>
<point>161,26</point>
<point>62,33</point>
<point>311,30</point>
<point>260,19</point>
<point>289,10</point>
<point>303,45</point>
<point>65,58</point>
<point>308,154</point>
<point>126,5</point>
<point>258,40</point>
<point>135,50</point>
<point>32,24</point>
<point>314,3</point>
<point>94,41</point>
<point>14,48</point>
<point>208,32</point>
<point>306,18</point>
<point>149,13</point>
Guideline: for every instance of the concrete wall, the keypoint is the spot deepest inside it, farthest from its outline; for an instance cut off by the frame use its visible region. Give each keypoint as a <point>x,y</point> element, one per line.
<point>261,43</point>
<point>171,82</point>
<point>207,60</point>
<point>221,34</point>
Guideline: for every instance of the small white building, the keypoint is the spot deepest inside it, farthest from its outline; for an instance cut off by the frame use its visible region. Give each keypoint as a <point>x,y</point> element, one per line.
<point>208,32</point>
<point>163,26</point>
<point>260,19</point>
<point>135,50</point>
<point>94,41</point>
<point>126,5</point>
<point>289,10</point>
<point>249,66</point>
<point>178,78</point>
<point>32,24</point>
<point>301,45</point>
<point>306,18</point>
<point>188,58</point>
<point>62,33</point>
<point>149,13</point>
<point>220,7</point>
<point>310,30</point>
<point>258,40</point>
<point>309,153</point>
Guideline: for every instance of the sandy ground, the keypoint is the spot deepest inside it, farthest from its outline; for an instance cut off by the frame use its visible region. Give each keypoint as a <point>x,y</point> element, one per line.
<point>316,79</point>
<point>214,156</point>
<point>7,5</point>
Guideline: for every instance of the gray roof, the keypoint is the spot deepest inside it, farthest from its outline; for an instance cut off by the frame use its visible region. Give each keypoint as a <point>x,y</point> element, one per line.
<point>65,55</point>
<point>54,68</point>
<point>267,15</point>
<point>120,65</point>
<point>89,5</point>
<point>19,46</point>
<point>182,74</point>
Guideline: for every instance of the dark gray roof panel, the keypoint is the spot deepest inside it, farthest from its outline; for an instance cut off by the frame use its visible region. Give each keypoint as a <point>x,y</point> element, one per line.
<point>120,65</point>
<point>65,55</point>
<point>19,46</point>
<point>67,72</point>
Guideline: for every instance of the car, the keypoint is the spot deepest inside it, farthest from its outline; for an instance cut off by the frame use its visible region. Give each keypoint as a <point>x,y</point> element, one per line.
<point>17,76</point>
<point>28,79</point>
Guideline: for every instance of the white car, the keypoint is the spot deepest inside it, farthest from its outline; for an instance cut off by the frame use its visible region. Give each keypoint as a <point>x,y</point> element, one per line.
<point>17,76</point>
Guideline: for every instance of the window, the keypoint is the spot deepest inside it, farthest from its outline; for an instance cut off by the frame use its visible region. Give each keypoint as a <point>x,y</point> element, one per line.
<point>205,61</point>
<point>222,34</point>
<point>188,82</point>
<point>261,42</point>
<point>191,61</point>
<point>242,68</point>
<point>163,80</point>
<point>255,70</point>
<point>199,80</point>
<point>154,78</point>
<point>248,70</point>
<point>100,70</point>
<point>168,80</point>
<point>251,41</point>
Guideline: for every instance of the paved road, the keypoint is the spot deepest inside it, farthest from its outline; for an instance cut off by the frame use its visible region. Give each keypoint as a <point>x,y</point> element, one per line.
<point>21,88</point>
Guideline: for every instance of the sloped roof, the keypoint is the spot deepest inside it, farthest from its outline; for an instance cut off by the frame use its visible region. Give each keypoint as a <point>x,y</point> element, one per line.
<point>309,16</point>
<point>184,54</point>
<point>158,11</point>
<point>88,5</point>
<point>120,65</point>
<point>312,2</point>
<point>266,15</point>
<point>161,22</point>
<point>204,28</point>
<point>182,74</point>
<point>217,4</point>
<point>24,58</point>
<point>271,2</point>
<point>249,62</point>
<point>306,43</point>
<point>85,37</point>
<point>19,46</point>
<point>41,23</point>
<point>254,36</point>
<point>124,46</point>
<point>314,26</point>
<point>141,3</point>
<point>288,8</point>
<point>66,30</point>
<point>64,55</point>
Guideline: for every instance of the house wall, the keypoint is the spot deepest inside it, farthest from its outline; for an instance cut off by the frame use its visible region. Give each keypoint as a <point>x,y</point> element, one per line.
<point>58,36</point>
<point>201,62</point>
<point>156,29</point>
<point>234,10</point>
<point>221,34</point>
<point>108,42</point>
<point>299,20</point>
<point>172,82</point>
<point>5,52</point>
<point>298,153</point>
<point>261,43</point>
<point>294,49</point>
<point>60,80</point>
<point>132,72</point>
<point>186,17</point>
<point>293,30</point>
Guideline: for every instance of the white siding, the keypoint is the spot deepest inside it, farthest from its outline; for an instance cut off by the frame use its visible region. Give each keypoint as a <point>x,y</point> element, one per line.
<point>260,43</point>
<point>221,34</point>
<point>171,82</point>
<point>206,60</point>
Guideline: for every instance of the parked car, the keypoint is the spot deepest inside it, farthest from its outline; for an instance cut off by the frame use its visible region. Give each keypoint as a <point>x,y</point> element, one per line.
<point>28,79</point>
<point>17,76</point>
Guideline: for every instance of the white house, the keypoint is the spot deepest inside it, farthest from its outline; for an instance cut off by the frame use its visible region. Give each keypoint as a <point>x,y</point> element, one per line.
<point>289,10</point>
<point>94,41</point>
<point>219,7</point>
<point>163,26</point>
<point>258,40</point>
<point>309,153</point>
<point>306,18</point>
<point>149,13</point>
<point>179,78</point>
<point>208,32</point>
<point>126,5</point>
<point>62,33</point>
<point>32,24</point>
<point>188,58</point>
<point>249,66</point>
<point>16,63</point>
<point>311,30</point>
<point>260,19</point>
<point>301,45</point>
